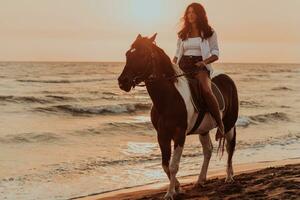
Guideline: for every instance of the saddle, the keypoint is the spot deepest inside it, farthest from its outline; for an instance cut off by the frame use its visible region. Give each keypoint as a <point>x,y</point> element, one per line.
<point>199,103</point>
<point>197,99</point>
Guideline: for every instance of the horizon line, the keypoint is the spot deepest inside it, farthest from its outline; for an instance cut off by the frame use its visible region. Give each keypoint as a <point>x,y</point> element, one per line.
<point>58,61</point>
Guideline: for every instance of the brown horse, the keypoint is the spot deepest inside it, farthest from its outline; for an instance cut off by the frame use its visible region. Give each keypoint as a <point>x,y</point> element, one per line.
<point>173,114</point>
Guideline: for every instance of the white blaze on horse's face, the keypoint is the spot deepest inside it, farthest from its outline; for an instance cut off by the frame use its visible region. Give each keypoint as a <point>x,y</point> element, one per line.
<point>125,79</point>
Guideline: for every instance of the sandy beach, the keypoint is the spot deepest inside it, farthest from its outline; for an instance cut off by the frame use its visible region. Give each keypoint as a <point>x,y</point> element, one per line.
<point>265,180</point>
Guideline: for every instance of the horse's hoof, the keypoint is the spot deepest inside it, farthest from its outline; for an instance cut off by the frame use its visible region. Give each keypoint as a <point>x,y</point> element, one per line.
<point>170,195</point>
<point>198,184</point>
<point>229,179</point>
<point>177,190</point>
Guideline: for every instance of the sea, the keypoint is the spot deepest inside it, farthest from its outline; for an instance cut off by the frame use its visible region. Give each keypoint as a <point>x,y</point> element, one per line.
<point>67,130</point>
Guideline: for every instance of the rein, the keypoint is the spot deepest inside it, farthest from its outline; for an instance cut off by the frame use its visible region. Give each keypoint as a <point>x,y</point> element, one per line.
<point>151,79</point>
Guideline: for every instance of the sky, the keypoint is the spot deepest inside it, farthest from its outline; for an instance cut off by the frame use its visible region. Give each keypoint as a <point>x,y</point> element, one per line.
<point>250,31</point>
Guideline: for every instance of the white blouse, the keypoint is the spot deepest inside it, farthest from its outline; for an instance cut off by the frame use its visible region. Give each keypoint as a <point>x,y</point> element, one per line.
<point>191,46</point>
<point>208,47</point>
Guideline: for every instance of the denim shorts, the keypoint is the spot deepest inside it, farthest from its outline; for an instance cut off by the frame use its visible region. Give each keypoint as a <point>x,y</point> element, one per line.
<point>187,64</point>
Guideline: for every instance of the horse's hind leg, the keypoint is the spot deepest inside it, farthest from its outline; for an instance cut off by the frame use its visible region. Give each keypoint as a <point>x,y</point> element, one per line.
<point>230,147</point>
<point>207,151</point>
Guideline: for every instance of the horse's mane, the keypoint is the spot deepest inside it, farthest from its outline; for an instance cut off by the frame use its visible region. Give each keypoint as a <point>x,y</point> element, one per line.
<point>165,63</point>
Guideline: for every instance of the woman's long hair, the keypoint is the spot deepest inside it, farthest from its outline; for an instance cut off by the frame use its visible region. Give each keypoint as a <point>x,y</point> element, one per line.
<point>201,21</point>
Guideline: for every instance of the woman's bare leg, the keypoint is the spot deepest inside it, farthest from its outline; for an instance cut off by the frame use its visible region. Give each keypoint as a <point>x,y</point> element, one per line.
<point>210,99</point>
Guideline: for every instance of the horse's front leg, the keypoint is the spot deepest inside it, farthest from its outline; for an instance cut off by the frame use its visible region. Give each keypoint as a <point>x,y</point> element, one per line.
<point>179,139</point>
<point>165,147</point>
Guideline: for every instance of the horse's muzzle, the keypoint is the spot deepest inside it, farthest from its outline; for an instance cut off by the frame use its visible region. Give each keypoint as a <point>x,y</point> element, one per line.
<point>125,84</point>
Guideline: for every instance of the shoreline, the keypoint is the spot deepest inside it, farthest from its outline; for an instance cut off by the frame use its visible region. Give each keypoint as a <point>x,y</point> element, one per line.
<point>159,188</point>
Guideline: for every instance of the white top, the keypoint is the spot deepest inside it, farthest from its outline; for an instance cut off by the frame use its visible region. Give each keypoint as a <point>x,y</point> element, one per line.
<point>208,47</point>
<point>191,46</point>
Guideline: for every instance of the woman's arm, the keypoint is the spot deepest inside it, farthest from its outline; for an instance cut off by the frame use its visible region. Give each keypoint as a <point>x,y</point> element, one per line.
<point>177,50</point>
<point>214,50</point>
<point>213,44</point>
<point>209,60</point>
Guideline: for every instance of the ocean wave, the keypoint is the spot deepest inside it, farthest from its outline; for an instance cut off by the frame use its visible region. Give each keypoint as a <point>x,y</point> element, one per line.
<point>109,93</point>
<point>283,140</point>
<point>142,152</point>
<point>32,99</point>
<point>55,92</point>
<point>244,121</point>
<point>249,104</point>
<point>103,109</point>
<point>65,98</point>
<point>30,138</point>
<point>61,81</point>
<point>26,99</point>
<point>147,152</point>
<point>281,88</point>
<point>275,116</point>
<point>144,125</point>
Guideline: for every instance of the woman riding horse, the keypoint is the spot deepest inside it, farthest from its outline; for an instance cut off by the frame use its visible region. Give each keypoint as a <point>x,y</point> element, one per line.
<point>173,114</point>
<point>197,47</point>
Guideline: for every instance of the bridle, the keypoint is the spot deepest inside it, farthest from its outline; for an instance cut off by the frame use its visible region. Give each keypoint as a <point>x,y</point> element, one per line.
<point>149,70</point>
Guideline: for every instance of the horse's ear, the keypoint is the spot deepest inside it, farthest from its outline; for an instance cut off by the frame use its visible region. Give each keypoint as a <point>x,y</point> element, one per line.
<point>152,39</point>
<point>139,36</point>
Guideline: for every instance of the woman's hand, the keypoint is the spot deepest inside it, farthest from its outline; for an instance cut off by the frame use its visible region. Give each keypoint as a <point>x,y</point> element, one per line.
<point>200,64</point>
<point>174,59</point>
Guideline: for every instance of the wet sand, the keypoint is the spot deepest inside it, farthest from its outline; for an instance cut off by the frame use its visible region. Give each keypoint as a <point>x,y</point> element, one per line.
<point>265,180</point>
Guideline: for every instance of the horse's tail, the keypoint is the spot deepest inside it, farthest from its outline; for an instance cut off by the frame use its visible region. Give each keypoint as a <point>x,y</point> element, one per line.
<point>221,147</point>
<point>232,145</point>
<point>229,91</point>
